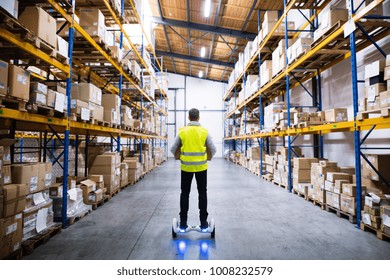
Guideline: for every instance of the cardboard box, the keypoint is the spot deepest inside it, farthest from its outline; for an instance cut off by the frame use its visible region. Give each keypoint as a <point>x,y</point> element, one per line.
<point>347,169</point>
<point>87,92</point>
<point>56,190</point>
<point>14,191</point>
<point>38,98</point>
<point>381,163</point>
<point>384,99</point>
<point>97,112</point>
<point>7,175</point>
<point>3,77</point>
<point>338,186</point>
<point>336,115</point>
<point>271,16</point>
<point>76,106</point>
<point>26,174</point>
<point>11,231</point>
<point>304,163</point>
<point>96,178</point>
<point>18,82</point>
<point>51,98</point>
<point>38,87</point>
<point>329,186</point>
<point>374,69</point>
<point>373,91</point>
<point>301,176</point>
<point>111,101</point>
<point>11,208</point>
<point>12,7</point>
<point>44,175</point>
<point>41,23</point>
<point>350,189</point>
<point>333,199</point>
<point>62,46</point>
<point>95,196</point>
<point>348,204</point>
<point>333,176</point>
<point>87,186</point>
<point>376,200</point>
<point>132,164</point>
<point>93,21</point>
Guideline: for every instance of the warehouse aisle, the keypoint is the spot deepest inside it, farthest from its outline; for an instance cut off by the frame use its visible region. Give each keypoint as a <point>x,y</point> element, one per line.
<point>254,220</point>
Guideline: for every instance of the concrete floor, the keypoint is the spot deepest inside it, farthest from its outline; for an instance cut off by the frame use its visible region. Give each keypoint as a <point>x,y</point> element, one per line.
<point>254,220</point>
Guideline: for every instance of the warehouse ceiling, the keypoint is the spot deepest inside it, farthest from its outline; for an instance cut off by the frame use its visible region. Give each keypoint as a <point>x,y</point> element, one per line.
<point>183,29</point>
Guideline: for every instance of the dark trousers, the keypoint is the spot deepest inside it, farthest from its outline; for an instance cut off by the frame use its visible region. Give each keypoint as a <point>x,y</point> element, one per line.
<point>201,181</point>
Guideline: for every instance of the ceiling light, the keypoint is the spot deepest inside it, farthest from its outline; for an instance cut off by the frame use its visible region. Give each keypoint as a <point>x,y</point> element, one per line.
<point>202,51</point>
<point>200,74</point>
<point>207,7</point>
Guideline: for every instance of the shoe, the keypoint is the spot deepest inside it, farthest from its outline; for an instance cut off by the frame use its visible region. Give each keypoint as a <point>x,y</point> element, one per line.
<point>204,225</point>
<point>183,226</point>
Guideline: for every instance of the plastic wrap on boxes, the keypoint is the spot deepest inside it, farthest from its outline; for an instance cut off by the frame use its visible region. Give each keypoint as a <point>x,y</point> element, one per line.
<point>76,205</point>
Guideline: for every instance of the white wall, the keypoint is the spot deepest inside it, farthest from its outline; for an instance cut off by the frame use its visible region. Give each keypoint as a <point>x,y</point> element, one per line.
<point>202,94</point>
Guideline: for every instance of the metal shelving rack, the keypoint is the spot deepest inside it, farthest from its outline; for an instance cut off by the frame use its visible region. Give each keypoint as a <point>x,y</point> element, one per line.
<point>64,129</point>
<point>344,48</point>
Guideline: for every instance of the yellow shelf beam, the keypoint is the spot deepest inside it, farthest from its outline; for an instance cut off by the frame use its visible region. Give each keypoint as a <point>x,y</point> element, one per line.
<point>28,117</point>
<point>15,40</point>
<point>83,33</point>
<point>306,56</point>
<point>349,126</point>
<point>262,45</point>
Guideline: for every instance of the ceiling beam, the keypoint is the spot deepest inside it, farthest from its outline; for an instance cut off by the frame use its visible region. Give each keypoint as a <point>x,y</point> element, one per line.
<point>205,28</point>
<point>194,58</point>
<point>166,34</point>
<point>242,29</point>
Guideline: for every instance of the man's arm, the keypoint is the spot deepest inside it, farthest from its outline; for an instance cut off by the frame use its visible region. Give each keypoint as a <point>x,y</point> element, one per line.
<point>176,144</point>
<point>210,145</point>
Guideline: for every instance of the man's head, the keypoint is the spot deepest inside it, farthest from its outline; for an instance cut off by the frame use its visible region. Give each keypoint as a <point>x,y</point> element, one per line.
<point>193,115</point>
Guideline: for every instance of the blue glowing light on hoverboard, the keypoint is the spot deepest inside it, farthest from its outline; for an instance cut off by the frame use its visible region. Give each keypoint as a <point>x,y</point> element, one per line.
<point>182,230</point>
<point>204,230</point>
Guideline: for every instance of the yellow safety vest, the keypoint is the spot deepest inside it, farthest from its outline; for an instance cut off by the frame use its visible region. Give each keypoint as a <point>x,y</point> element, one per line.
<point>193,155</point>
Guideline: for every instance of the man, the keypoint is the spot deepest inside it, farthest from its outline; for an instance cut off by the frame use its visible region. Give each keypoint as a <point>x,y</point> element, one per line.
<point>193,143</point>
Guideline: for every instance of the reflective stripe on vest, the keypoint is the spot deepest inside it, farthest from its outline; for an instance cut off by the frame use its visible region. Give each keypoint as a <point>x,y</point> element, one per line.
<point>193,162</point>
<point>193,155</point>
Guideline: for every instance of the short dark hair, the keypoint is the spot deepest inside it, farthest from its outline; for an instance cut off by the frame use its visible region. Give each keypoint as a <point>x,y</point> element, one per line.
<point>193,114</point>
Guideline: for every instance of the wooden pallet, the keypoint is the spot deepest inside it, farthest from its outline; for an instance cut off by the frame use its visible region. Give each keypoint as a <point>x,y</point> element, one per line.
<point>336,26</point>
<point>105,199</point>
<point>30,244</point>
<point>383,112</point>
<point>268,177</point>
<point>74,219</point>
<point>308,124</point>
<point>61,58</point>
<point>17,255</point>
<point>279,184</point>
<point>40,44</point>
<point>43,110</point>
<point>114,193</point>
<point>298,193</point>
<point>341,214</point>
<point>12,102</point>
<point>378,232</point>
<point>317,203</point>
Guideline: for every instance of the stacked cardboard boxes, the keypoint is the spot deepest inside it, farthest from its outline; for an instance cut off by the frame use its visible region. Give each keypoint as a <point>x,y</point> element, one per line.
<point>126,117</point>
<point>385,215</point>
<point>318,177</point>
<point>108,165</point>
<point>18,82</point>
<point>270,164</point>
<point>86,101</point>
<point>329,17</point>
<point>124,175</point>
<point>38,93</point>
<point>333,186</point>
<point>348,197</point>
<point>281,165</point>
<point>376,95</point>
<point>111,108</point>
<point>371,215</point>
<point>91,193</point>
<point>370,178</point>
<point>301,174</point>
<point>134,169</point>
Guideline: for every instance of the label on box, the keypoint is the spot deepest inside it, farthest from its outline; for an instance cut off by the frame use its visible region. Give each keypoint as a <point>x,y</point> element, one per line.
<point>41,98</point>
<point>371,94</point>
<point>85,114</point>
<point>12,228</point>
<point>367,219</point>
<point>60,102</point>
<point>22,79</point>
<point>349,27</point>
<point>47,179</point>
<point>16,246</point>
<point>18,216</point>
<point>38,198</point>
<point>7,179</point>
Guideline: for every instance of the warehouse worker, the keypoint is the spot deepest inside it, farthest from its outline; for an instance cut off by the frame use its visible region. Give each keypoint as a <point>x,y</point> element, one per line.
<point>193,144</point>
